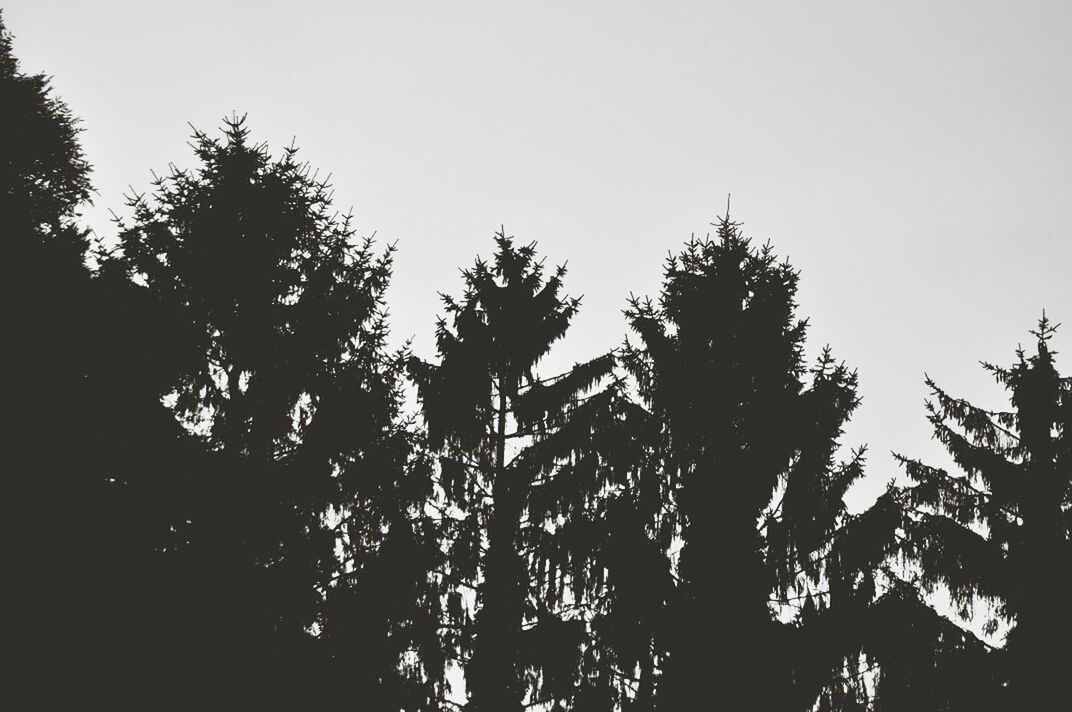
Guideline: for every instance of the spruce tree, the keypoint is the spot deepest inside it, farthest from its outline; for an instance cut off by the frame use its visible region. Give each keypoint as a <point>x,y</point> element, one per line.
<point>747,439</point>
<point>998,532</point>
<point>517,465</point>
<point>631,569</point>
<point>44,177</point>
<point>293,389</point>
<point>91,457</point>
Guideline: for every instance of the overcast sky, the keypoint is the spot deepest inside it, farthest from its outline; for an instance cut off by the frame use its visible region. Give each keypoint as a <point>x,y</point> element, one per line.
<point>912,159</point>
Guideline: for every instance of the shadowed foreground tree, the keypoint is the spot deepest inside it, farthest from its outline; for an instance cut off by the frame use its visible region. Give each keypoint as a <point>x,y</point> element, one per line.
<point>999,532</point>
<point>44,177</point>
<point>516,468</point>
<point>294,391</point>
<point>91,457</point>
<point>747,442</point>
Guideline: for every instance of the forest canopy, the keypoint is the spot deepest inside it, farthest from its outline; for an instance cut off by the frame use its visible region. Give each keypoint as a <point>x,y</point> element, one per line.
<point>224,488</point>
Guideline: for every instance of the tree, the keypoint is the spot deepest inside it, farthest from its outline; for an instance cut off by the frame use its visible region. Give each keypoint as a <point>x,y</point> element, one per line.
<point>295,392</point>
<point>747,439</point>
<point>630,568</point>
<point>90,457</point>
<point>44,177</point>
<point>515,468</point>
<point>999,531</point>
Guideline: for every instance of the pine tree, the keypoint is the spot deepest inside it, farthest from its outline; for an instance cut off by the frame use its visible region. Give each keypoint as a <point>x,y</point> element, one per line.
<point>44,177</point>
<point>747,438</point>
<point>516,466</point>
<point>294,390</point>
<point>90,456</point>
<point>999,531</point>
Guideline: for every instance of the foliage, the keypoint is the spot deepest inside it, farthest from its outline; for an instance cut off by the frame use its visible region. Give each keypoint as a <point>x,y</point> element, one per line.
<point>44,177</point>
<point>295,391</point>
<point>91,458</point>
<point>747,443</point>
<point>998,532</point>
<point>516,473</point>
<point>215,499</point>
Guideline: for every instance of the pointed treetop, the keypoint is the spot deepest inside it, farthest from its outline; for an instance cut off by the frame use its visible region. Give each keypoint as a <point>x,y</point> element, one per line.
<point>1046,330</point>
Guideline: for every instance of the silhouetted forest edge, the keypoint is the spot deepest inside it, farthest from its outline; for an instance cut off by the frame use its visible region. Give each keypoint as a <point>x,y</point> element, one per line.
<point>216,497</point>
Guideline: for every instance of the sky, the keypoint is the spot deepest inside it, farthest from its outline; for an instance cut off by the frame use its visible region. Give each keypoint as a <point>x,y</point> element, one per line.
<point>912,159</point>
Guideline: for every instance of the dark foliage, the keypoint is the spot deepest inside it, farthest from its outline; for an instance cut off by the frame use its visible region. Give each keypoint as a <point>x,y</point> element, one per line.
<point>998,532</point>
<point>92,461</point>
<point>294,393</point>
<point>213,499</point>
<point>43,175</point>
<point>746,440</point>
<point>515,473</point>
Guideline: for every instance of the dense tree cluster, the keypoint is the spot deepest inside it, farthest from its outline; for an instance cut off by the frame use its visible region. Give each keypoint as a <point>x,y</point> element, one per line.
<point>214,496</point>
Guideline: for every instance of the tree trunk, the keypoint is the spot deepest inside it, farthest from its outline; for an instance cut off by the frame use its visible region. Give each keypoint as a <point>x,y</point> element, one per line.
<point>493,676</point>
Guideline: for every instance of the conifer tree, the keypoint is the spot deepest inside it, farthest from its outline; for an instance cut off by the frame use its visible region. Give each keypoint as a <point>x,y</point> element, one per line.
<point>294,390</point>
<point>628,531</point>
<point>911,658</point>
<point>90,455</point>
<point>44,178</point>
<point>516,466</point>
<point>747,438</point>
<point>998,533</point>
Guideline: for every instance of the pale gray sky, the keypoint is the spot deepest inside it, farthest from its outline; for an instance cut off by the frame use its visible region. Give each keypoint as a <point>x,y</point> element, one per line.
<point>912,159</point>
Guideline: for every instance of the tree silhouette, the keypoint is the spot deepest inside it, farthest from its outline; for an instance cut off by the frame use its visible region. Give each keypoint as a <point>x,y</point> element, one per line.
<point>747,441</point>
<point>44,177</point>
<point>1000,530</point>
<point>91,458</point>
<point>514,468</point>
<point>213,496</point>
<point>629,568</point>
<point>293,388</point>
